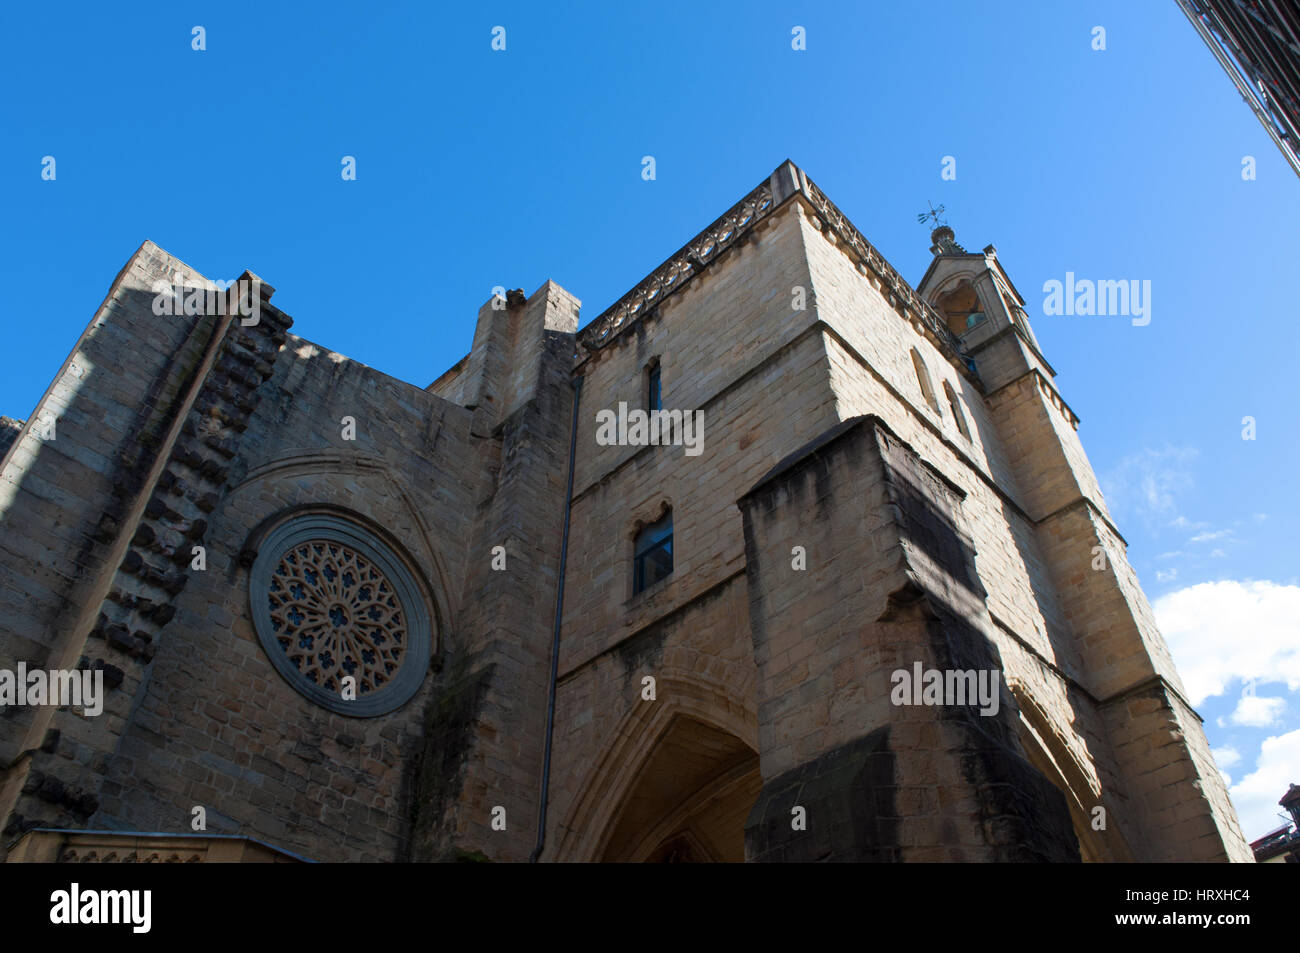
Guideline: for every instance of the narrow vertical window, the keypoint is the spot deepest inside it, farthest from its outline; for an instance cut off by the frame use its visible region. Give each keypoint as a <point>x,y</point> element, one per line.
<point>652,553</point>
<point>652,399</point>
<point>923,378</point>
<point>955,403</point>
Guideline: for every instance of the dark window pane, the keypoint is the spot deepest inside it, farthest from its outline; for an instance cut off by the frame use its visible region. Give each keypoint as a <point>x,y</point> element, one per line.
<point>653,534</point>
<point>654,565</point>
<point>652,558</point>
<point>652,390</point>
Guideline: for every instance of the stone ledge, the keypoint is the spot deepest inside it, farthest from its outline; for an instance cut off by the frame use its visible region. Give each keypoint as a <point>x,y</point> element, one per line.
<point>58,846</point>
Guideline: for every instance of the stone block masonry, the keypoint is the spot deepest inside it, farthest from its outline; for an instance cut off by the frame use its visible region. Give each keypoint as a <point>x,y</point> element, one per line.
<point>879,486</point>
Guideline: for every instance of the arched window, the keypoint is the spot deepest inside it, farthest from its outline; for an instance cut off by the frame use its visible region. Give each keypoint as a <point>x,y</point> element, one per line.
<point>955,403</point>
<point>923,378</point>
<point>652,553</point>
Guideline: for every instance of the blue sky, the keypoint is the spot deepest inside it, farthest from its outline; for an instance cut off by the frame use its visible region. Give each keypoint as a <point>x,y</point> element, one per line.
<point>478,168</point>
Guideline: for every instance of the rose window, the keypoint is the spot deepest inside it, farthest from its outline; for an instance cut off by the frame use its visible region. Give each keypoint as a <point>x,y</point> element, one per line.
<point>331,600</point>
<point>335,613</point>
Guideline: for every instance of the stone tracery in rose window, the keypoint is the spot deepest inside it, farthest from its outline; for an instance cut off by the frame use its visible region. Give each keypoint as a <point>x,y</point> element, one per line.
<point>335,613</point>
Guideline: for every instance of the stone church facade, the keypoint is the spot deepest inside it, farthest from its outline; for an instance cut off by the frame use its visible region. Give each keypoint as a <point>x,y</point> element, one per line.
<point>355,619</point>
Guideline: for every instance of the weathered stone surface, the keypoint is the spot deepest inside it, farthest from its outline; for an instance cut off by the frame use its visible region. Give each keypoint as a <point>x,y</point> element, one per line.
<point>934,490</point>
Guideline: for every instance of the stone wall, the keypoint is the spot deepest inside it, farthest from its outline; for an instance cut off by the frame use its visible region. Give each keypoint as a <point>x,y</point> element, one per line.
<point>890,584</point>
<point>487,730</point>
<point>237,429</point>
<point>922,543</point>
<point>729,344</point>
<point>216,725</point>
<point>74,485</point>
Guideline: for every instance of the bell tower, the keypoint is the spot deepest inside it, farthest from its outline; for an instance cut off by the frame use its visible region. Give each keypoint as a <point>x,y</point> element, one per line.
<point>983,309</point>
<point>1112,648</point>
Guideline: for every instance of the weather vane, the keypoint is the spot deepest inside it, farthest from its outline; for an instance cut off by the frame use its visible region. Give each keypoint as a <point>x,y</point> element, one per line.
<point>933,214</point>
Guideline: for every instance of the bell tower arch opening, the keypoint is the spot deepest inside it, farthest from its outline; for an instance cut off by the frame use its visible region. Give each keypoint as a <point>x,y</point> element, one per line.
<point>961,307</point>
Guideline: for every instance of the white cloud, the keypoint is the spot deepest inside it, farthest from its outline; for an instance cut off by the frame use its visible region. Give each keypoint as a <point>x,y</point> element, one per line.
<point>1206,537</point>
<point>1256,712</point>
<point>1226,756</point>
<point>1255,797</point>
<point>1170,576</point>
<point>1146,483</point>
<point>1221,631</point>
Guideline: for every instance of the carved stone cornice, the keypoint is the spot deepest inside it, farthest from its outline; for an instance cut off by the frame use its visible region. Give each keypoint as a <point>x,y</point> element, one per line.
<point>707,246</point>
<point>678,269</point>
<point>901,295</point>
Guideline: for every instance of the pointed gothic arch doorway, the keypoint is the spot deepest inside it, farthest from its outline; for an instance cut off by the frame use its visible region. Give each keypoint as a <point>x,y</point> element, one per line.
<point>689,800</point>
<point>1048,753</point>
